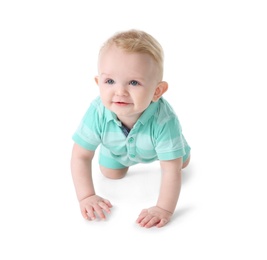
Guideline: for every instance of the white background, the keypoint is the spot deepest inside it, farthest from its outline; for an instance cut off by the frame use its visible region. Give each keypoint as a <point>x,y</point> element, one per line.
<point>215,63</point>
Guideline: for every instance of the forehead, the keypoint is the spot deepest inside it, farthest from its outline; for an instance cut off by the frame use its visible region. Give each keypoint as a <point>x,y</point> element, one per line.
<point>113,57</point>
<point>114,52</point>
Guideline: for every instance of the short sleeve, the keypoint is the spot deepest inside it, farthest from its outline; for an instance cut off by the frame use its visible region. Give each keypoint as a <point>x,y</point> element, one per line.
<point>88,133</point>
<point>170,143</point>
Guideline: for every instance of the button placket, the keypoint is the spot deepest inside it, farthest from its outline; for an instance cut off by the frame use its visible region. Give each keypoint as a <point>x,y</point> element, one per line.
<point>131,146</point>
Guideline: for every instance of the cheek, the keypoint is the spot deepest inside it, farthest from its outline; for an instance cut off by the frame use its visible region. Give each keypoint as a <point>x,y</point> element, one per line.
<point>144,99</point>
<point>105,94</point>
<point>103,91</point>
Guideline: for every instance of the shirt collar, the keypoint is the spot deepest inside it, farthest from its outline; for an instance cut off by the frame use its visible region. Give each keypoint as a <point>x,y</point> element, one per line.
<point>149,112</point>
<point>112,116</point>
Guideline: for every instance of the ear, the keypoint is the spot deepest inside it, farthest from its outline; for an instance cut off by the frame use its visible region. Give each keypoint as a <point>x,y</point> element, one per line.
<point>96,80</point>
<point>162,87</point>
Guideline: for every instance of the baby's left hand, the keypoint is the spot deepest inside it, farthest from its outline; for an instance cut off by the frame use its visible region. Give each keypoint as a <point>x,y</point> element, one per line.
<point>154,216</point>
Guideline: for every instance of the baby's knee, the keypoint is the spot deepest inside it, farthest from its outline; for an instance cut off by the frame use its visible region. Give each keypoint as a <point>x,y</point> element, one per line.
<point>113,173</point>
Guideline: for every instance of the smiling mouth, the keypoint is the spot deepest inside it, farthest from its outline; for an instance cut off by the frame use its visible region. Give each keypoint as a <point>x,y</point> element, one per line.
<point>121,103</point>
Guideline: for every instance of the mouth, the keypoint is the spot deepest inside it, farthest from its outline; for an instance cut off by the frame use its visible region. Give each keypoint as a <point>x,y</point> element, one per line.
<point>119,103</point>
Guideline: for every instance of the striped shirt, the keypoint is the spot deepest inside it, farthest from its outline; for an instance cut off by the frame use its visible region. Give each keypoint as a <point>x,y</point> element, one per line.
<point>157,135</point>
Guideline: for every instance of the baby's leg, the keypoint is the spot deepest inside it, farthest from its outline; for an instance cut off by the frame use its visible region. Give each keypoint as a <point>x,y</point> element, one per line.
<point>113,173</point>
<point>110,167</point>
<point>186,162</point>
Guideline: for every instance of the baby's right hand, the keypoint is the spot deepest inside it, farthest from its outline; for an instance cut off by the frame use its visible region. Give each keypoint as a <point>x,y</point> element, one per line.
<point>93,204</point>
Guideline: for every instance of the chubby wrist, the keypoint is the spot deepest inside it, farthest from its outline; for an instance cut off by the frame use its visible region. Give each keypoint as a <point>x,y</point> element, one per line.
<point>166,210</point>
<point>85,197</point>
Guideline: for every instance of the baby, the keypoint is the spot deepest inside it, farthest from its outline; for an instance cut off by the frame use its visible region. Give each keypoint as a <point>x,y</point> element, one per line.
<point>133,123</point>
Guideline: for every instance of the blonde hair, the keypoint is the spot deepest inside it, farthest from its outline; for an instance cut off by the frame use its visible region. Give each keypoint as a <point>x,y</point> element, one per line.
<point>136,41</point>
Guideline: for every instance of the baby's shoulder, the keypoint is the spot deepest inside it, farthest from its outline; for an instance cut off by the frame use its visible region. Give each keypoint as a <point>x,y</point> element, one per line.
<point>97,103</point>
<point>95,111</point>
<point>165,112</point>
<point>97,106</point>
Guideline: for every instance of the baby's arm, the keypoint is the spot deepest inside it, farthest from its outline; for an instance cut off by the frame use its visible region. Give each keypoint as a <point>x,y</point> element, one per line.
<point>81,170</point>
<point>168,197</point>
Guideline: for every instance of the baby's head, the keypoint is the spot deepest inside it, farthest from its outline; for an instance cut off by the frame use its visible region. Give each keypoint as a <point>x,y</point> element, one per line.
<point>130,71</point>
<point>136,41</point>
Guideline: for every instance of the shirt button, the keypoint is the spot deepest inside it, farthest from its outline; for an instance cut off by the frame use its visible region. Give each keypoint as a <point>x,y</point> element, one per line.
<point>131,140</point>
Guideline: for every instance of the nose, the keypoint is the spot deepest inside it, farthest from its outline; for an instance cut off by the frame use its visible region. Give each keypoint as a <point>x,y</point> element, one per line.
<point>121,90</point>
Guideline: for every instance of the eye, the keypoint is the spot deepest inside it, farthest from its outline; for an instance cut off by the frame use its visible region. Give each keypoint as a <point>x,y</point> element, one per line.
<point>110,81</point>
<point>134,83</point>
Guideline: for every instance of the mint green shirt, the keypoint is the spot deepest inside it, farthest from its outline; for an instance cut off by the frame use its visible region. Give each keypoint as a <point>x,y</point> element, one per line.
<point>157,135</point>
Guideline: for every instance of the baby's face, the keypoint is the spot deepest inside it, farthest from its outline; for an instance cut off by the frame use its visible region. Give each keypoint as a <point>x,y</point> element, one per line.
<point>127,82</point>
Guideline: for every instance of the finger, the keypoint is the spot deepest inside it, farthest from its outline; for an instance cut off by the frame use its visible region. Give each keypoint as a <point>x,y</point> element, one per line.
<point>145,220</point>
<point>162,223</point>
<point>90,213</point>
<point>104,206</point>
<point>142,215</point>
<point>99,212</point>
<point>152,222</point>
<point>84,213</point>
<point>139,219</point>
<point>107,202</point>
